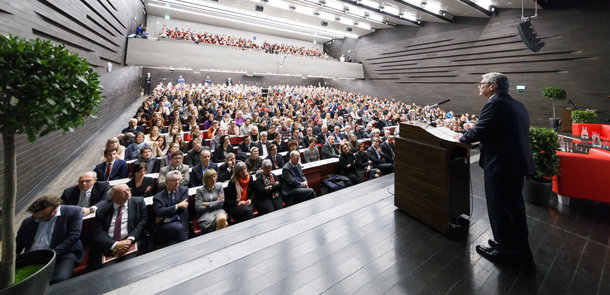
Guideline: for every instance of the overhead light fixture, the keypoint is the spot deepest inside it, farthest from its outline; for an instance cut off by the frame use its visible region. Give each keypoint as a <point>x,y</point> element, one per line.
<point>369,3</point>
<point>391,10</point>
<point>348,29</point>
<point>446,14</point>
<point>408,16</point>
<point>528,35</point>
<point>323,23</point>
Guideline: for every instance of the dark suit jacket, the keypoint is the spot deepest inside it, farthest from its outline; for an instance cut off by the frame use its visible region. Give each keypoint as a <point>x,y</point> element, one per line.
<point>503,131</point>
<point>387,152</point>
<point>243,151</point>
<point>373,156</point>
<point>163,207</point>
<point>196,177</point>
<point>118,170</point>
<point>218,155</point>
<point>136,220</point>
<point>289,182</point>
<point>327,151</point>
<point>66,234</point>
<point>223,173</point>
<point>231,194</point>
<point>307,139</point>
<point>321,139</point>
<point>97,198</point>
<point>279,161</point>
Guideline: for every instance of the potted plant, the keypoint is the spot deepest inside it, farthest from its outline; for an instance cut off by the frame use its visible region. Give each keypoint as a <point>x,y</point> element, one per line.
<point>554,93</point>
<point>43,88</point>
<point>580,117</point>
<point>544,145</point>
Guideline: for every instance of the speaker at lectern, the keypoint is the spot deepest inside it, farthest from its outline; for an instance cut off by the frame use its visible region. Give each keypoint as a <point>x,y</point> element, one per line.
<point>432,177</point>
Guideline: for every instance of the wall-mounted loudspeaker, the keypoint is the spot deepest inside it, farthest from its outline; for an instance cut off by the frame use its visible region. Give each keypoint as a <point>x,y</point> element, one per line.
<point>526,30</point>
<point>259,8</point>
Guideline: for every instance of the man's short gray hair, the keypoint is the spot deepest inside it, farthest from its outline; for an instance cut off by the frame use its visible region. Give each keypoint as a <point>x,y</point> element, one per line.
<point>171,174</point>
<point>497,78</point>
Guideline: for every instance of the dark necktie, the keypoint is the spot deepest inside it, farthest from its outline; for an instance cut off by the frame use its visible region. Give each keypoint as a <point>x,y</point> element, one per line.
<point>117,224</point>
<point>108,168</point>
<point>297,176</point>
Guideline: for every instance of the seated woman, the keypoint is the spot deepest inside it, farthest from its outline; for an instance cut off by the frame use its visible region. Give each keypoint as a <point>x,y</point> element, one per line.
<point>113,142</point>
<point>225,170</point>
<point>159,147</point>
<point>177,138</point>
<point>146,158</point>
<point>223,148</point>
<point>238,200</point>
<point>232,129</point>
<point>353,143</point>
<point>194,132</point>
<point>364,165</point>
<point>347,165</point>
<point>140,185</point>
<point>311,154</point>
<point>133,150</point>
<point>208,203</point>
<point>267,190</point>
<point>152,136</point>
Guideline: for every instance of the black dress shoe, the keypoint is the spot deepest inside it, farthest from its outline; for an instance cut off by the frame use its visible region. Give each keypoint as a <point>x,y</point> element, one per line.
<point>494,255</point>
<point>493,243</point>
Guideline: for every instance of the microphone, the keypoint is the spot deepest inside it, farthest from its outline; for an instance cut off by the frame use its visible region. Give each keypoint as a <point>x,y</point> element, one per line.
<point>440,103</point>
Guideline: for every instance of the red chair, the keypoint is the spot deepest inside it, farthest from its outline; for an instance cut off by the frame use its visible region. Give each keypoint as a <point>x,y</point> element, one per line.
<point>584,176</point>
<point>193,214</point>
<point>82,267</point>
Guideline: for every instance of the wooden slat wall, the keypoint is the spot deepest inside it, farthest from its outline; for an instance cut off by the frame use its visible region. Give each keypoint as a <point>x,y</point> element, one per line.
<point>96,30</point>
<point>439,61</point>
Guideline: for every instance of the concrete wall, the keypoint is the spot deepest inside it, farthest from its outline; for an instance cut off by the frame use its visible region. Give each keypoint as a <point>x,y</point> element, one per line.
<point>439,61</point>
<point>95,30</point>
<point>186,54</point>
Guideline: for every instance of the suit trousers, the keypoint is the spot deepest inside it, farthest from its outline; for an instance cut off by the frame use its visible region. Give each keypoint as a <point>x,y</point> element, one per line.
<point>268,205</point>
<point>299,195</point>
<point>506,211</point>
<point>171,233</point>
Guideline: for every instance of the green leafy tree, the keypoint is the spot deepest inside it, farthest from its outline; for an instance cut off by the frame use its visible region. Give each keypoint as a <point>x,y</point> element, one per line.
<point>553,94</point>
<point>43,88</point>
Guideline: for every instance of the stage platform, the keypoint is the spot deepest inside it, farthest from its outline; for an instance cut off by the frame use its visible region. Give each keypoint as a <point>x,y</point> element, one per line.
<point>355,241</point>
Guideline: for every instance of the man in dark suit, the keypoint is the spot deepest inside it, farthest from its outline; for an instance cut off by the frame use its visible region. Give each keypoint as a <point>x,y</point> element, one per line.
<point>89,194</point>
<point>308,136</point>
<point>147,83</point>
<point>60,227</point>
<point>503,131</point>
<point>323,135</point>
<point>329,150</point>
<point>387,149</point>
<point>117,226</point>
<point>112,168</point>
<point>170,205</point>
<point>294,183</point>
<point>244,147</point>
<point>133,127</point>
<point>375,155</point>
<point>196,177</point>
<point>193,155</point>
<point>277,161</point>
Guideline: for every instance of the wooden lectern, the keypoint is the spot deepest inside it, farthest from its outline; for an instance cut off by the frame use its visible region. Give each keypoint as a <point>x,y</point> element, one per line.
<point>432,177</point>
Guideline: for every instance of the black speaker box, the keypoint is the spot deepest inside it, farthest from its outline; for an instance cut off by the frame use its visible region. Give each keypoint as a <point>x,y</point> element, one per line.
<point>528,36</point>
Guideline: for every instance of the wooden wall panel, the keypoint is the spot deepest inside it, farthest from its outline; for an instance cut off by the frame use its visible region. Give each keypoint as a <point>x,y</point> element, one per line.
<point>439,61</point>
<point>97,31</point>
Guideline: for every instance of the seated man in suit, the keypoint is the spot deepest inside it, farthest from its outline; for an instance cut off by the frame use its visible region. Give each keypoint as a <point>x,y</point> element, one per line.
<point>296,136</point>
<point>174,164</point>
<point>117,226</point>
<point>329,150</point>
<point>374,153</point>
<point>263,143</point>
<point>170,205</point>
<point>225,170</point>
<point>277,160</point>
<point>112,168</point>
<point>243,149</point>
<point>337,134</point>
<point>89,193</point>
<point>308,136</point>
<point>196,176</point>
<point>56,227</point>
<point>323,135</point>
<point>294,183</point>
<point>192,156</point>
<point>387,149</point>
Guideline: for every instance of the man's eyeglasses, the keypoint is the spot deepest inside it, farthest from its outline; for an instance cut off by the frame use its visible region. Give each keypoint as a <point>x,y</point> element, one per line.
<point>483,83</point>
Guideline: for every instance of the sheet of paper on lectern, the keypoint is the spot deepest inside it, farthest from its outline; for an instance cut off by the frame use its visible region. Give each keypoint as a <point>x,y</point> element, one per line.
<point>442,133</point>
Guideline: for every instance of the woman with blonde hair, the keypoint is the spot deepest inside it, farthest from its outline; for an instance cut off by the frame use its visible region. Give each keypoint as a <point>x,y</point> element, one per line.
<point>209,201</point>
<point>113,142</point>
<point>151,137</point>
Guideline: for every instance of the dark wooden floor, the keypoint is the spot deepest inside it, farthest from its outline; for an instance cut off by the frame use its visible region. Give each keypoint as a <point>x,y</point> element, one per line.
<point>356,241</point>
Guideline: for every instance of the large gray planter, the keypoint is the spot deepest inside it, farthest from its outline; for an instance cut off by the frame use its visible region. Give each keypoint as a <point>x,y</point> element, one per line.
<point>38,283</point>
